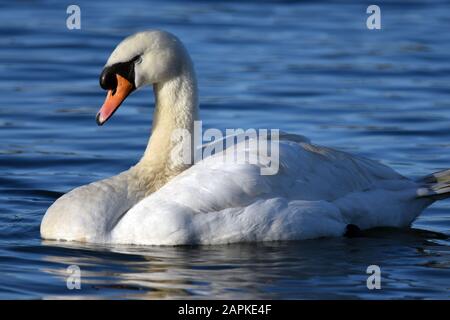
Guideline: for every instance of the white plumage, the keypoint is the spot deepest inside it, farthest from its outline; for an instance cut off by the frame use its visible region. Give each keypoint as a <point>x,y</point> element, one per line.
<point>316,193</point>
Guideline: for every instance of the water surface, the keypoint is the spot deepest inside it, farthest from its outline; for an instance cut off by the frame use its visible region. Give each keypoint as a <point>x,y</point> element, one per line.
<point>303,67</point>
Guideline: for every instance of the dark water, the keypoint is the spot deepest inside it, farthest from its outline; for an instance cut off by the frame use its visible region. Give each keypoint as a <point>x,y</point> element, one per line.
<point>303,67</point>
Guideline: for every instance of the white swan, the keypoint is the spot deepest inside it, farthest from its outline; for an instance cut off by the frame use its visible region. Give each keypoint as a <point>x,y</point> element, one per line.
<point>161,201</point>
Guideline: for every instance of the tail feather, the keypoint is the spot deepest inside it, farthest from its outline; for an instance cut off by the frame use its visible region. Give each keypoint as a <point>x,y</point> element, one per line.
<point>435,186</point>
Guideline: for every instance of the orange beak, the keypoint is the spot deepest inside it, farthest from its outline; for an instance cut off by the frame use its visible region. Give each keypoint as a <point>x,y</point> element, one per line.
<point>114,99</point>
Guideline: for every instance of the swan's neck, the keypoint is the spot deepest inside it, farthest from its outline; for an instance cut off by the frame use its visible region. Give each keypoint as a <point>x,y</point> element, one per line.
<point>176,110</point>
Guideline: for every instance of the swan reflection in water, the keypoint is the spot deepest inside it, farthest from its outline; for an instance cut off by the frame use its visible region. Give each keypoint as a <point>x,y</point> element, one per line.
<point>271,270</point>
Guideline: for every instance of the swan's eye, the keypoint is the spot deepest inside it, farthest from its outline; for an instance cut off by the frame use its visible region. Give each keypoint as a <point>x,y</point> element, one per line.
<point>137,59</point>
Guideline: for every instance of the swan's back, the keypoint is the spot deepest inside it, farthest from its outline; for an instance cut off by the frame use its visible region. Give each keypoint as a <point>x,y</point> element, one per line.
<point>221,201</point>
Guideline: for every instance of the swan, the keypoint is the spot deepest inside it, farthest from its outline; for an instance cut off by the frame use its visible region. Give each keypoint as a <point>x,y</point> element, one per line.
<point>316,192</point>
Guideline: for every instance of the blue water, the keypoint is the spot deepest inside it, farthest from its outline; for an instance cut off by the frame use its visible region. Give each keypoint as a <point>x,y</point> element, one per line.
<point>304,67</point>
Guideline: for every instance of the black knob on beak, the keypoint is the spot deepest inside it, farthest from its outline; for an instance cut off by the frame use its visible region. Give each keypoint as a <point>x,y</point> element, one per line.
<point>108,80</point>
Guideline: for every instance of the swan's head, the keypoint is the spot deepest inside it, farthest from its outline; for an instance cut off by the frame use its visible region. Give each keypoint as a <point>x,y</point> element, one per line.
<point>145,58</point>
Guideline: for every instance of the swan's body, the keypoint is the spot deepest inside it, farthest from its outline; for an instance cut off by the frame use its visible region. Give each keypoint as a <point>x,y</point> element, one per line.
<point>317,191</point>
